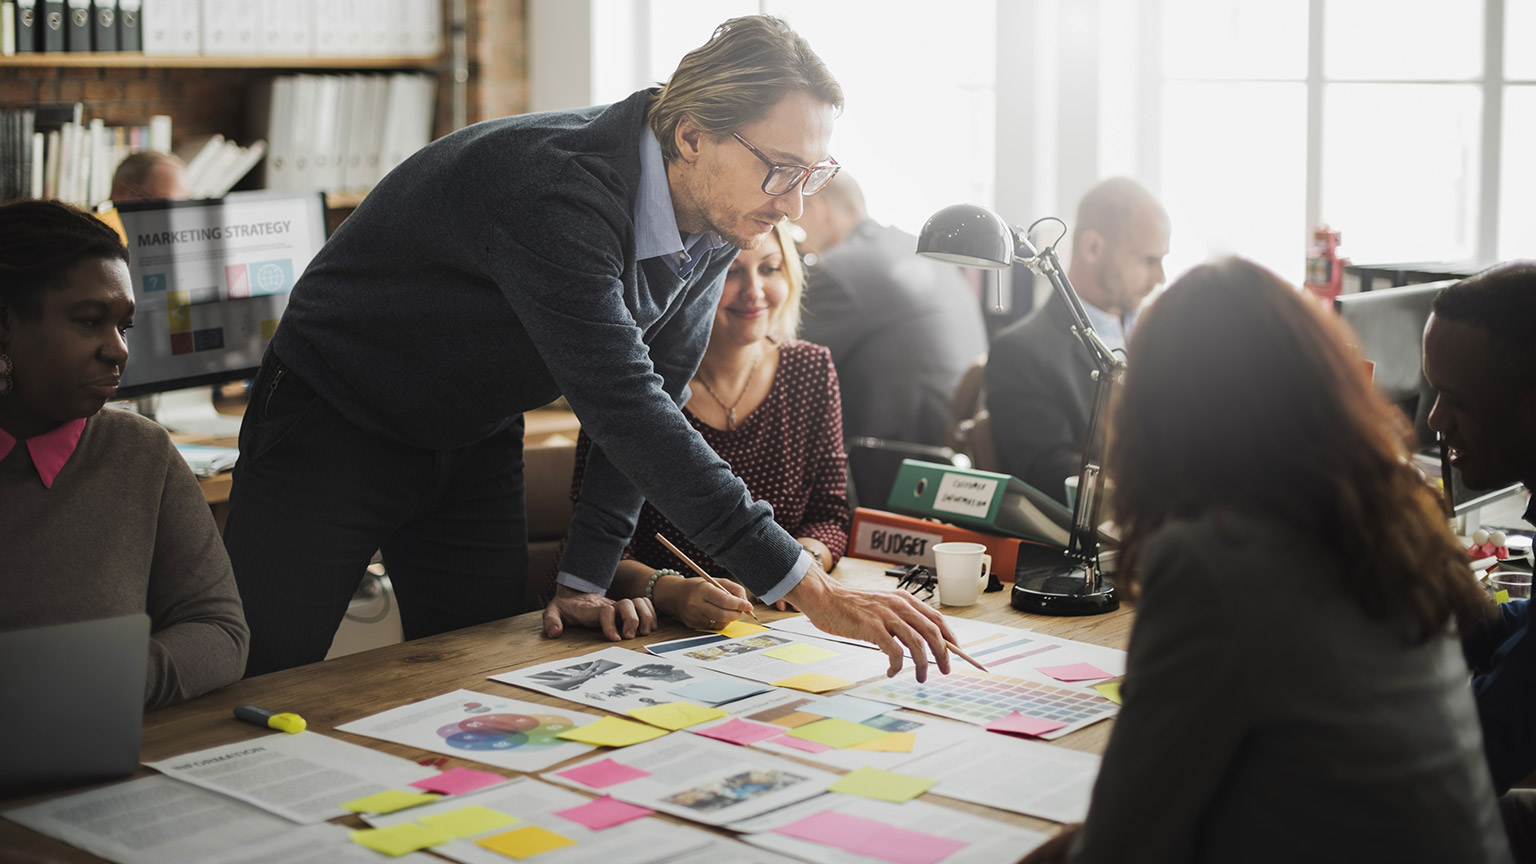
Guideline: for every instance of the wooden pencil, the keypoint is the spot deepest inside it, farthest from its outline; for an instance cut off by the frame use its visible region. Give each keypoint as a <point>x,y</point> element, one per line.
<point>697,569</point>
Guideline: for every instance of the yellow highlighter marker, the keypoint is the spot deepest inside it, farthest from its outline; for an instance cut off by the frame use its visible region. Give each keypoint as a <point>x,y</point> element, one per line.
<point>290,723</point>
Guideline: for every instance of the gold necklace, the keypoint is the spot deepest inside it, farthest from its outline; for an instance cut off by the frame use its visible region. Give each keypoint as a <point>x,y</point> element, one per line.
<point>730,410</point>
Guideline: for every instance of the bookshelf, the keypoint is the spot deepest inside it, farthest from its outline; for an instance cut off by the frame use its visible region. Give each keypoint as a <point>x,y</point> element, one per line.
<point>137,60</point>
<point>481,73</point>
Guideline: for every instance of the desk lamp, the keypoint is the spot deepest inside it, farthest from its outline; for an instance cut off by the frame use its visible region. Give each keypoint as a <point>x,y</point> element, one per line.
<point>973,236</point>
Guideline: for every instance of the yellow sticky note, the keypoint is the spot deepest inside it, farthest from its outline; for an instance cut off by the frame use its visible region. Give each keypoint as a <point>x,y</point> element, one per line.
<point>881,785</point>
<point>741,628</point>
<point>389,802</point>
<point>675,715</point>
<point>178,310</point>
<point>796,718</point>
<point>896,742</point>
<point>397,840</point>
<point>813,682</point>
<point>524,843</point>
<point>1501,596</point>
<point>612,732</point>
<point>836,732</point>
<point>469,821</point>
<point>268,328</point>
<point>1110,691</point>
<point>799,652</point>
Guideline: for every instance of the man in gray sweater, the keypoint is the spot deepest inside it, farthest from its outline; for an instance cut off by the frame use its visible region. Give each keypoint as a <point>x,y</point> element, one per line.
<point>578,253</point>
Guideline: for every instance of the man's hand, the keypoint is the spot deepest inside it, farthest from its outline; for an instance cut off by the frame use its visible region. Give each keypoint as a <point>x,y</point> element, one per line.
<point>618,619</point>
<point>889,619</point>
<point>699,604</point>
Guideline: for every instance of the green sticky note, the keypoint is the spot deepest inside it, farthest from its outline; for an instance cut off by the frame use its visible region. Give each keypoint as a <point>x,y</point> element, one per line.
<point>1110,691</point>
<point>397,840</point>
<point>469,821</point>
<point>813,682</point>
<point>896,742</point>
<point>799,652</point>
<point>675,715</point>
<point>389,802</point>
<point>612,732</point>
<point>881,785</point>
<point>835,732</point>
<point>524,843</point>
<point>741,628</point>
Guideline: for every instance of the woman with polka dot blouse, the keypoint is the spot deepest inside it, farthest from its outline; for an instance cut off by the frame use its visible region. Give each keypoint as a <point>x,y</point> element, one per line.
<point>769,405</point>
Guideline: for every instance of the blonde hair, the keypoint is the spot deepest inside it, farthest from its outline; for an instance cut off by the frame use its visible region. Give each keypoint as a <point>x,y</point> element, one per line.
<point>745,68</point>
<point>785,326</point>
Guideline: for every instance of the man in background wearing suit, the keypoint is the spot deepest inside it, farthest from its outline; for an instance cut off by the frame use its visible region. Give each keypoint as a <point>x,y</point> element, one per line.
<point>902,329</point>
<point>1480,358</point>
<point>1039,384</point>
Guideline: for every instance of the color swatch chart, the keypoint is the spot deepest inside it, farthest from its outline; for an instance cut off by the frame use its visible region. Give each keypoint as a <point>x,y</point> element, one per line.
<point>980,699</point>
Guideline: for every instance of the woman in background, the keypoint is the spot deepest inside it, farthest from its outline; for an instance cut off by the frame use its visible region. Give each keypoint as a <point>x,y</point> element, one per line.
<point>769,405</point>
<point>99,515</point>
<point>1294,690</point>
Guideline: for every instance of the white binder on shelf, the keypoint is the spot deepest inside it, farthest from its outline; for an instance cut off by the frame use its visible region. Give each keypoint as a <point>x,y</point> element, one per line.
<point>379,27</point>
<point>327,111</point>
<point>282,28</point>
<point>367,134</point>
<point>352,40</point>
<point>279,123</point>
<point>424,21</point>
<point>229,28</point>
<point>302,133</point>
<point>171,27</point>
<point>325,26</point>
<point>412,101</point>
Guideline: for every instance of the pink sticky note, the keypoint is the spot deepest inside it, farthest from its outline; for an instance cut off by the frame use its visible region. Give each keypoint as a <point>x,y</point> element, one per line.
<point>801,744</point>
<point>1018,724</point>
<point>740,732</point>
<point>831,828</point>
<point>605,812</point>
<point>900,846</point>
<point>459,781</point>
<point>603,773</point>
<point>1075,672</point>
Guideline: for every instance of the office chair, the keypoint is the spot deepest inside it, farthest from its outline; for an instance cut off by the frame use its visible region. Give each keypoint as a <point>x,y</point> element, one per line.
<point>970,428</point>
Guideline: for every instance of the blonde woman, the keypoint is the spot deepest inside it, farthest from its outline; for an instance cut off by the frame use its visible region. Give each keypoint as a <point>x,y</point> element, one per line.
<point>769,405</point>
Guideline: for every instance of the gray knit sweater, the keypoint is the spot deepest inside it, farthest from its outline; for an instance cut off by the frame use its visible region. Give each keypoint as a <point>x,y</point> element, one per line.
<point>123,529</point>
<point>496,270</point>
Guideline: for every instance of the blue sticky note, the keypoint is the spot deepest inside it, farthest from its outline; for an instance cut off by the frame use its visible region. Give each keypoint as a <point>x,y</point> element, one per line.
<point>719,690</point>
<point>850,708</point>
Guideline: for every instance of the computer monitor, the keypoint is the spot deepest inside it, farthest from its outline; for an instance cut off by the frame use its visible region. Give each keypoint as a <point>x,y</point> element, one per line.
<point>1389,326</point>
<point>210,280</point>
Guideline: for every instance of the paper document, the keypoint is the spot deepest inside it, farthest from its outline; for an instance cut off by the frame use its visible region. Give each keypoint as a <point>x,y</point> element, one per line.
<point>618,679</point>
<point>837,829</point>
<point>535,804</point>
<point>1013,774</point>
<point>774,656</point>
<point>303,777</point>
<point>153,820</point>
<point>709,781</point>
<point>480,727</point>
<point>310,844</point>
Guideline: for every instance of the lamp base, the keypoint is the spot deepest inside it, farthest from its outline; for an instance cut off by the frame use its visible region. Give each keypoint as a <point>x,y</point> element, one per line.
<point>1065,592</point>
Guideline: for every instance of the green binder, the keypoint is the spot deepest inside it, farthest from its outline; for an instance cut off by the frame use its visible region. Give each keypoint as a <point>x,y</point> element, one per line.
<point>997,503</point>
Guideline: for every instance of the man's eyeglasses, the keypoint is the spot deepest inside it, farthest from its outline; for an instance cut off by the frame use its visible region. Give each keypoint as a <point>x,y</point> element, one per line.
<point>783,177</point>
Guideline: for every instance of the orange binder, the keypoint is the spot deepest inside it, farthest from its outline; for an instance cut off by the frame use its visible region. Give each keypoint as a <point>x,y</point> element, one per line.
<point>885,536</point>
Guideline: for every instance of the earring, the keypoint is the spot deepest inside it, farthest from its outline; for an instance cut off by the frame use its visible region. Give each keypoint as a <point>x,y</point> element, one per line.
<point>5,373</point>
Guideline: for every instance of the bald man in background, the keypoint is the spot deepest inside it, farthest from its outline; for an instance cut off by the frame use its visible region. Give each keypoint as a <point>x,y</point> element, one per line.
<point>151,176</point>
<point>901,329</point>
<point>1039,377</point>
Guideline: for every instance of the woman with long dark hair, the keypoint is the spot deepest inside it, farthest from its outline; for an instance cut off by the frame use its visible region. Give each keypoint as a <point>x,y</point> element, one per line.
<point>1294,690</point>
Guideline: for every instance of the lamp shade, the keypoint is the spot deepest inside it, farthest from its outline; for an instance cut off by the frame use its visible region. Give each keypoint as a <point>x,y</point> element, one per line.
<point>967,235</point>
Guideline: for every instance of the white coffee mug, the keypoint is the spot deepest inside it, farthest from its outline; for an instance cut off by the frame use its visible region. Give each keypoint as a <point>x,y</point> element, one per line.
<point>962,569</point>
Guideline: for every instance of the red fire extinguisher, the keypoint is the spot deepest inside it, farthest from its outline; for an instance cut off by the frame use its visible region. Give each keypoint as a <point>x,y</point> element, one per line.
<point>1325,269</point>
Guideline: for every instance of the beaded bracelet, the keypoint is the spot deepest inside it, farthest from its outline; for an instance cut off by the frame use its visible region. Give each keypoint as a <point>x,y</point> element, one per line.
<point>650,587</point>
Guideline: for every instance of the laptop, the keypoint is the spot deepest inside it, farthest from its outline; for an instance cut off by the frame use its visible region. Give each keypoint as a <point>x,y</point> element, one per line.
<point>72,702</point>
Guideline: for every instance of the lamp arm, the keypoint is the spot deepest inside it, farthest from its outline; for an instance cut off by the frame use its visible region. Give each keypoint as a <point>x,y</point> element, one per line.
<point>1083,544</point>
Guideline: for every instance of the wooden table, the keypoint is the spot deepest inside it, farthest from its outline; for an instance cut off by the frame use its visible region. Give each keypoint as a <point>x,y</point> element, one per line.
<point>339,691</point>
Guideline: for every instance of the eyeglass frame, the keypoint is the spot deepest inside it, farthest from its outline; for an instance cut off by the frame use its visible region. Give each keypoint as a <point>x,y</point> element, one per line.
<point>805,170</point>
<point>917,578</point>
